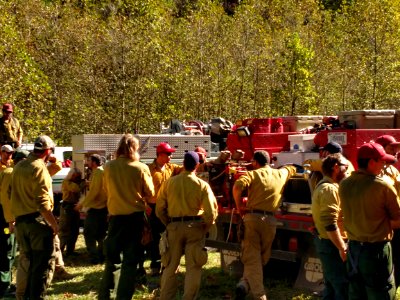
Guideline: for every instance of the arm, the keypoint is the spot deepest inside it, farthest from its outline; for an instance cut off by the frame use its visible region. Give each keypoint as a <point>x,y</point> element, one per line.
<point>210,207</point>
<point>162,205</point>
<point>237,195</point>
<point>338,241</point>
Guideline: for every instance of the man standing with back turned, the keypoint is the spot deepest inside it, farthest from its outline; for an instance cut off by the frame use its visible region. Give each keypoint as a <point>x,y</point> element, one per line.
<point>32,204</point>
<point>371,209</point>
<point>265,187</point>
<point>187,206</point>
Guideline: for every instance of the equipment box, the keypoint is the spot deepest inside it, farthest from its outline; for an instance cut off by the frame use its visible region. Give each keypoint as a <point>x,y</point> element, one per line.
<point>299,208</point>
<point>368,119</point>
<point>295,157</point>
<point>301,142</point>
<point>297,123</point>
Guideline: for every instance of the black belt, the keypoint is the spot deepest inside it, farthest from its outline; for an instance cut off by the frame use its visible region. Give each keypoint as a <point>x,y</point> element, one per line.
<point>260,212</point>
<point>186,218</point>
<point>28,217</point>
<point>368,244</point>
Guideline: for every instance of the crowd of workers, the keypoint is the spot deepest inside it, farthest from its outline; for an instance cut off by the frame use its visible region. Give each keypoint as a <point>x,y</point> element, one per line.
<point>355,213</point>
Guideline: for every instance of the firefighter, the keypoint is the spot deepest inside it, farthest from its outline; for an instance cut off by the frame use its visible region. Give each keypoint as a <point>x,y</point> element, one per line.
<point>10,129</point>
<point>161,169</point>
<point>72,187</point>
<point>392,175</point>
<point>331,240</point>
<point>95,201</point>
<point>265,187</point>
<point>188,208</point>
<point>371,208</point>
<point>127,184</point>
<point>315,164</point>
<point>31,204</point>
<point>7,237</point>
<point>6,157</point>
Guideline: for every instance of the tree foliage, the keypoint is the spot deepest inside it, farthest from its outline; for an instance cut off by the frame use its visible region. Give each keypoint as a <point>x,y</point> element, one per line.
<point>112,66</point>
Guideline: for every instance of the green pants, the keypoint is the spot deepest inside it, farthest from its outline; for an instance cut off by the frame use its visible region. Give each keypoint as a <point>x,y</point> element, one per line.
<point>94,232</point>
<point>123,251</point>
<point>36,240</point>
<point>335,274</point>
<point>370,270</point>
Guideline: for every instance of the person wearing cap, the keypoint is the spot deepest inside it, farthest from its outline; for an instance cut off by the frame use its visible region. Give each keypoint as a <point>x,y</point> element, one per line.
<point>315,165</point>
<point>392,175</point>
<point>10,129</point>
<point>371,209</point>
<point>95,226</point>
<point>331,240</point>
<point>6,157</point>
<point>72,188</point>
<point>32,204</point>
<point>127,184</point>
<point>187,207</point>
<point>264,186</point>
<point>161,169</point>
<point>59,271</point>
<point>203,166</point>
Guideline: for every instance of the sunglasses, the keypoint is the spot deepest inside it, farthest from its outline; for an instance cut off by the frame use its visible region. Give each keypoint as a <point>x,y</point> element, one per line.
<point>167,153</point>
<point>7,111</point>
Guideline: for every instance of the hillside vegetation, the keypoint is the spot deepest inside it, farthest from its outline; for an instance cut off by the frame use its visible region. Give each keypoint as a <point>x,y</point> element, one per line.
<point>113,66</point>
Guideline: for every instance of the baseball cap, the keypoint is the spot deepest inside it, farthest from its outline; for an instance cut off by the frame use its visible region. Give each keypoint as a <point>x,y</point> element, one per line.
<point>190,159</point>
<point>8,107</point>
<point>7,148</point>
<point>21,154</point>
<point>165,148</point>
<point>332,147</point>
<point>386,139</point>
<point>374,151</point>
<point>44,142</point>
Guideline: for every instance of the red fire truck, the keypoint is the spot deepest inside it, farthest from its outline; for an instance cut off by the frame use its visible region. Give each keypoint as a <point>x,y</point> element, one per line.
<point>292,140</point>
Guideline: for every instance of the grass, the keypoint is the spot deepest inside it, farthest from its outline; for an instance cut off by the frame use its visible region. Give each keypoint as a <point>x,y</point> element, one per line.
<point>215,283</point>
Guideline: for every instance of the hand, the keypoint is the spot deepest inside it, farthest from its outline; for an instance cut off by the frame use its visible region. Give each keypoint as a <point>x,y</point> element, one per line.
<point>78,207</point>
<point>343,254</point>
<point>11,226</point>
<point>55,228</point>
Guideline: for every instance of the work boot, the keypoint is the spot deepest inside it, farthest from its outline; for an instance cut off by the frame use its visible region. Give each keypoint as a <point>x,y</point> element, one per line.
<point>242,289</point>
<point>61,274</point>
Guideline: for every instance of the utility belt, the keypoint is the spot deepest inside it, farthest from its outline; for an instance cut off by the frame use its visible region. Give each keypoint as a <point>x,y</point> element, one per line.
<point>259,212</point>
<point>185,219</point>
<point>29,218</point>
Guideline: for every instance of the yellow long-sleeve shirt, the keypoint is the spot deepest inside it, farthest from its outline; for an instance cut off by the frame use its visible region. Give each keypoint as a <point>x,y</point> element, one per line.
<point>186,195</point>
<point>325,207</point>
<point>127,184</point>
<point>71,191</point>
<point>5,181</point>
<point>161,175</point>
<point>368,204</point>
<point>392,176</point>
<point>265,186</point>
<point>31,187</point>
<point>95,197</point>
